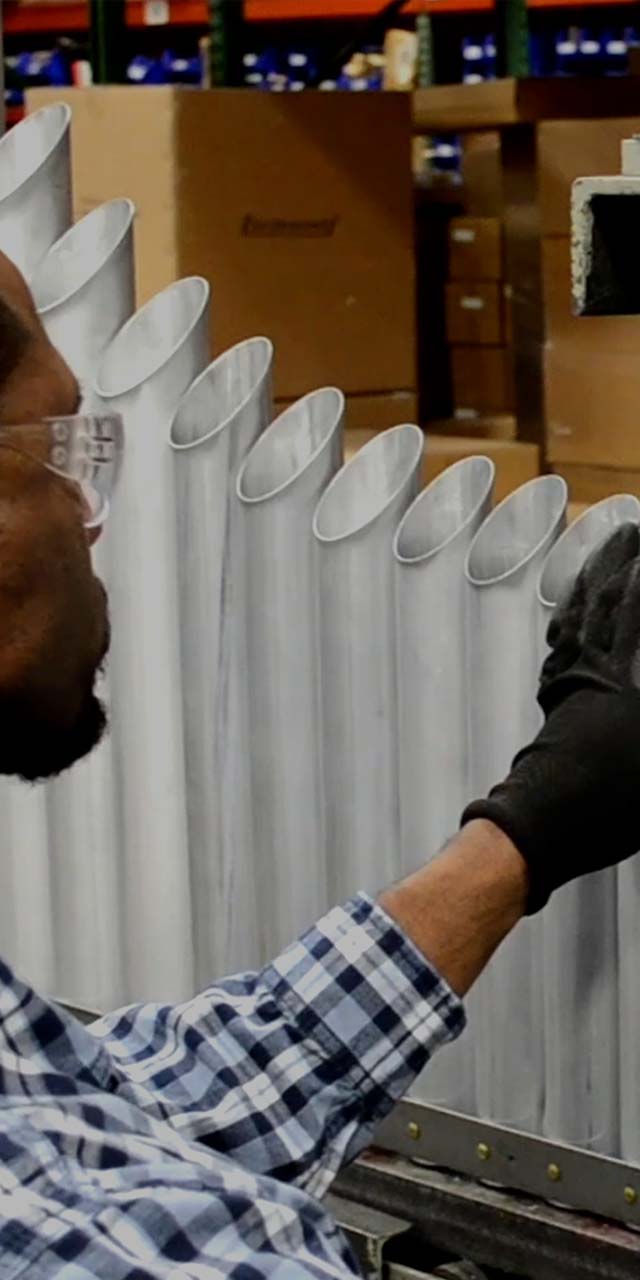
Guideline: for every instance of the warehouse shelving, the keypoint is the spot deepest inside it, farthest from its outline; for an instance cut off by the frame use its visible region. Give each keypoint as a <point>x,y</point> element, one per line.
<point>62,18</point>
<point>288,10</point>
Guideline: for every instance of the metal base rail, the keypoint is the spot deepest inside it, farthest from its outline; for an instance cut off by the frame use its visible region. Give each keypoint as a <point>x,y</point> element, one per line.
<point>449,1215</point>
<point>566,1175</point>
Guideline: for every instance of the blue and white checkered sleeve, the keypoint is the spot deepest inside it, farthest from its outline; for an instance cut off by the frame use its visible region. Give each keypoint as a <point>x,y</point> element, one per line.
<point>289,1071</point>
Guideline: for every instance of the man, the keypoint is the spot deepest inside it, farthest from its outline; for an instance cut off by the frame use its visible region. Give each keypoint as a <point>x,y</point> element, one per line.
<point>55,631</point>
<point>193,1141</point>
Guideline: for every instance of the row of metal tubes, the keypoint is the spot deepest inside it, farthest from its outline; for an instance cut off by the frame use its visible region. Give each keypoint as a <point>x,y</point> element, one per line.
<point>312,671</point>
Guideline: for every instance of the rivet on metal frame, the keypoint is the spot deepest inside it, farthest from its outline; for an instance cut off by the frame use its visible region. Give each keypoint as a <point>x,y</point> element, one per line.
<point>554,1173</point>
<point>483,1152</point>
<point>631,1195</point>
<point>414,1130</point>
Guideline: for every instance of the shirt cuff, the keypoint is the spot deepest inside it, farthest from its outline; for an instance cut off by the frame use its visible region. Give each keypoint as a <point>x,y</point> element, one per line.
<point>360,988</point>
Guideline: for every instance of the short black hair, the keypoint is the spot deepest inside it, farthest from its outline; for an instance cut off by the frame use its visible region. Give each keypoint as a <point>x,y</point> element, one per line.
<point>32,745</point>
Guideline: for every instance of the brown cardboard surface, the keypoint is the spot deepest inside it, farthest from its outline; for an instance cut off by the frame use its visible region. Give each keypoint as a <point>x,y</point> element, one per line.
<point>592,375</point>
<point>569,149</point>
<point>515,462</point>
<point>375,413</point>
<point>482,380</point>
<point>482,173</point>
<point>130,154</point>
<point>297,207</point>
<point>591,484</point>
<point>475,312</point>
<point>475,249</point>
<point>575,510</point>
<point>494,103</point>
<point>592,406</point>
<point>491,426</point>
<point>586,333</point>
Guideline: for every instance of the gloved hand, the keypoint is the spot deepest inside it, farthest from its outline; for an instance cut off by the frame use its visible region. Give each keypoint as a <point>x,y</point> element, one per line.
<point>571,803</point>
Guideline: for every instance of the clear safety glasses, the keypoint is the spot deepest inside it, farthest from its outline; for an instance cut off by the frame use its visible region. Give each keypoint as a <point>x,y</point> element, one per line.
<point>84,447</point>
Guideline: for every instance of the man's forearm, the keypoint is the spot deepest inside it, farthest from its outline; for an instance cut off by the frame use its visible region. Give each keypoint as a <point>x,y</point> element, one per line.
<point>459,907</point>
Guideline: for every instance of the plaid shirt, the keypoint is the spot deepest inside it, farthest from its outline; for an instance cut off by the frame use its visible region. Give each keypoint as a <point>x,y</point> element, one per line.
<point>192,1141</point>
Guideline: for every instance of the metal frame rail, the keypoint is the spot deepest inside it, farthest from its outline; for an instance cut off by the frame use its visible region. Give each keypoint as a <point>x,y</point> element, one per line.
<point>464,1188</point>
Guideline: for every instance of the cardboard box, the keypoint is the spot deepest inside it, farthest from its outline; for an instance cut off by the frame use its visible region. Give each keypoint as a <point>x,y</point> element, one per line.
<point>569,149</point>
<point>487,426</point>
<point>575,510</point>
<point>592,406</point>
<point>592,375</point>
<point>297,207</point>
<point>591,484</point>
<point>475,312</point>
<point>475,249</point>
<point>375,413</point>
<point>482,173</point>
<point>482,380</point>
<point>515,463</point>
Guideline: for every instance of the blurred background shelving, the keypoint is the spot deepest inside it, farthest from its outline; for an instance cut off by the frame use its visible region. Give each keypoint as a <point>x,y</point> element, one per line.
<point>168,41</point>
<point>476,69</point>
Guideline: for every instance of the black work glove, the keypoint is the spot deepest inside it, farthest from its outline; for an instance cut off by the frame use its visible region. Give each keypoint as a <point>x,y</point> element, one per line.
<point>571,803</point>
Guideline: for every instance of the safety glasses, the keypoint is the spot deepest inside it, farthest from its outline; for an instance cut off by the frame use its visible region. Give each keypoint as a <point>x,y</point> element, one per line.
<point>84,447</point>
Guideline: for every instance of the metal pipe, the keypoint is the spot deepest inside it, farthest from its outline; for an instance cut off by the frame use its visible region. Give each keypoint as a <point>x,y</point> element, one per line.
<point>143,374</point>
<point>279,487</point>
<point>629,1008</point>
<point>354,524</point>
<point>83,288</point>
<point>35,185</point>
<point>579,926</point>
<point>432,599</point>
<point>26,914</point>
<point>84,291</point>
<point>218,419</point>
<point>502,568</point>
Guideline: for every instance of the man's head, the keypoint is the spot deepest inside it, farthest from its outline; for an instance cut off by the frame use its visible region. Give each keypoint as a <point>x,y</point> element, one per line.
<point>53,615</point>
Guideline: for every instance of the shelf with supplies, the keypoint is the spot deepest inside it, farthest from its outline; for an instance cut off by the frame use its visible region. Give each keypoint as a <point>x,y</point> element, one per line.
<point>60,18</point>
<point>291,10</point>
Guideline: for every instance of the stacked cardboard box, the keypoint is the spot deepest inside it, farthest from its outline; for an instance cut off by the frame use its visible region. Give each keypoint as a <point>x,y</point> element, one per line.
<point>591,364</point>
<point>297,207</point>
<point>478,319</point>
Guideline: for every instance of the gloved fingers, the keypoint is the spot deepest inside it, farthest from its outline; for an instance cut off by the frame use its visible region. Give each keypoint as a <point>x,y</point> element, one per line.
<point>563,632</point>
<point>610,556</point>
<point>626,644</point>
<point>581,629</point>
<point>603,615</point>
<point>607,560</point>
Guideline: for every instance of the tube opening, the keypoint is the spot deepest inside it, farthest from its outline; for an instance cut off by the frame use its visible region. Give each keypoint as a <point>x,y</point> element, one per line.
<point>444,509</point>
<point>290,444</point>
<point>516,530</point>
<point>567,557</point>
<point>220,392</point>
<point>80,253</point>
<point>368,483</point>
<point>24,149</point>
<point>145,343</point>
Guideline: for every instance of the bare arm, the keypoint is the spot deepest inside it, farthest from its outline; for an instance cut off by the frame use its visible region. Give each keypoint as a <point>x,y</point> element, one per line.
<point>459,907</point>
